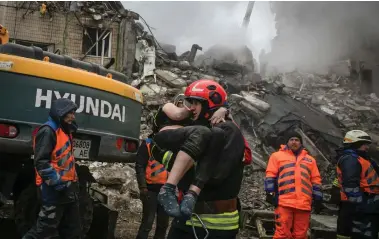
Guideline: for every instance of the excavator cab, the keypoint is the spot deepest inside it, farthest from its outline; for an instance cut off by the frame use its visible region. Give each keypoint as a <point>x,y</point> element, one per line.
<point>4,35</point>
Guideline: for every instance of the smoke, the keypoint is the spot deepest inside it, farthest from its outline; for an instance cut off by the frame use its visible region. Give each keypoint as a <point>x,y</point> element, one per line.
<point>313,35</point>
<point>207,23</point>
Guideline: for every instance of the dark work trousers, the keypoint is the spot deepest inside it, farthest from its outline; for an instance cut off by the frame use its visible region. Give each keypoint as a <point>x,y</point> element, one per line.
<point>58,221</point>
<point>357,225</point>
<point>365,226</point>
<point>201,143</point>
<point>151,208</point>
<point>179,231</point>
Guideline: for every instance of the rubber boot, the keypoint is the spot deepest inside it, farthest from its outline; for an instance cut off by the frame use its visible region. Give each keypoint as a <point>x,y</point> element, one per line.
<point>168,200</point>
<point>188,204</point>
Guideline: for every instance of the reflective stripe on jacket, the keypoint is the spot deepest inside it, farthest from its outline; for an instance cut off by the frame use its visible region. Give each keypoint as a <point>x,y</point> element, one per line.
<point>369,181</point>
<point>295,178</point>
<point>336,182</point>
<point>62,158</point>
<point>223,221</point>
<point>156,172</point>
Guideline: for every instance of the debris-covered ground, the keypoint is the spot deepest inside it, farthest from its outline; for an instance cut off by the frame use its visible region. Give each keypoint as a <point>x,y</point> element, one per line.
<point>321,107</point>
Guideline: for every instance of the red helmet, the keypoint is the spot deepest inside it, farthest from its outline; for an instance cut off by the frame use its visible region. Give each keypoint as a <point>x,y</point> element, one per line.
<point>207,90</point>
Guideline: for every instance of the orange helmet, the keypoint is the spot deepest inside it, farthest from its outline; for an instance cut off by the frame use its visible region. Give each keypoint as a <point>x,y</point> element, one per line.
<point>207,90</point>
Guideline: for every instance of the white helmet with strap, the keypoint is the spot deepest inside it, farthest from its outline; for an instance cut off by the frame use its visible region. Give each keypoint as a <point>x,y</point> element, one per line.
<point>354,136</point>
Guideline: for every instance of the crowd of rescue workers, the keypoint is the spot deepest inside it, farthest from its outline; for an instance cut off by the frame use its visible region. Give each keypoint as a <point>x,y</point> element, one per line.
<point>191,168</point>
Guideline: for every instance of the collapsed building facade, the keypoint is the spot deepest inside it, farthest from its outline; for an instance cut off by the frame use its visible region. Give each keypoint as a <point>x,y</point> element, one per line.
<point>320,106</point>
<point>98,32</point>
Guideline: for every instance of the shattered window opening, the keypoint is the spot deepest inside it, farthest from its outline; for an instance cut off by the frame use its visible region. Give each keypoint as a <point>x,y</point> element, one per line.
<point>90,36</point>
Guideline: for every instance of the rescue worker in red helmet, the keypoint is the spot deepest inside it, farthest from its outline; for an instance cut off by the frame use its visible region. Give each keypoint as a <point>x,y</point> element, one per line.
<point>173,131</point>
<point>217,203</point>
<point>56,175</point>
<point>292,179</point>
<point>196,143</point>
<point>358,178</point>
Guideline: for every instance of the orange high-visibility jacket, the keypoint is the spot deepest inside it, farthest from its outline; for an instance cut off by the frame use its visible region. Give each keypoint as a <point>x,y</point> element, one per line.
<point>62,157</point>
<point>295,178</point>
<point>156,172</point>
<point>369,181</point>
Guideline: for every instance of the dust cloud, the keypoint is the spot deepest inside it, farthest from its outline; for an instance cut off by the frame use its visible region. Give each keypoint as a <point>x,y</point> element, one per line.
<point>299,35</point>
<point>312,35</point>
<point>207,23</point>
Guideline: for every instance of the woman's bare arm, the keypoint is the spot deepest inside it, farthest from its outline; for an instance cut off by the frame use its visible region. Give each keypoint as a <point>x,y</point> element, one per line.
<point>174,112</point>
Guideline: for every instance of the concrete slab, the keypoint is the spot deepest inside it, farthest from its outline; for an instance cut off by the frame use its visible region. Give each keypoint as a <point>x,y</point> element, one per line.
<point>171,79</point>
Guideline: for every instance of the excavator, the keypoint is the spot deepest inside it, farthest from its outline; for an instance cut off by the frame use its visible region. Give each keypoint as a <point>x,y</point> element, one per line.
<point>108,115</point>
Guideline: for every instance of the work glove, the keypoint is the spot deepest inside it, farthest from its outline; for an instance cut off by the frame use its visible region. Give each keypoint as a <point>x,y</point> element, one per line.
<point>272,198</point>
<point>143,194</point>
<point>317,206</point>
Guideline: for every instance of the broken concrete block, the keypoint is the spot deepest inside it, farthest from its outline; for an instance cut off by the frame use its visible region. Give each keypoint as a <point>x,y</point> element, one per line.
<point>170,78</point>
<point>153,89</point>
<point>373,98</point>
<point>96,17</point>
<point>251,110</point>
<point>184,65</point>
<point>172,91</point>
<point>155,103</point>
<point>193,78</point>
<point>257,103</point>
<point>209,77</point>
<point>236,97</point>
<point>360,108</point>
<point>176,70</point>
<point>135,83</point>
<point>348,123</point>
<point>327,110</point>
<point>292,81</point>
<point>317,100</point>
<point>338,90</point>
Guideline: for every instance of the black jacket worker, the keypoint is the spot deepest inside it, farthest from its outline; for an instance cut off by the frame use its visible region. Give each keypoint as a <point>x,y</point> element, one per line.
<point>217,203</point>
<point>56,175</point>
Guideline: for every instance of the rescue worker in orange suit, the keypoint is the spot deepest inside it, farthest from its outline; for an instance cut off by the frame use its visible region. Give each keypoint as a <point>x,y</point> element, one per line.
<point>217,204</point>
<point>151,175</point>
<point>292,180</point>
<point>358,177</point>
<point>56,175</point>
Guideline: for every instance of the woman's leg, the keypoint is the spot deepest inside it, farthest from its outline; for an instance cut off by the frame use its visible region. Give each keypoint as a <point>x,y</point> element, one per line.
<point>191,142</point>
<point>204,169</point>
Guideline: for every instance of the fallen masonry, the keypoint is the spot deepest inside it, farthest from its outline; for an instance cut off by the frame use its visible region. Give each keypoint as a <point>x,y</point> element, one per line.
<point>266,111</point>
<point>320,107</point>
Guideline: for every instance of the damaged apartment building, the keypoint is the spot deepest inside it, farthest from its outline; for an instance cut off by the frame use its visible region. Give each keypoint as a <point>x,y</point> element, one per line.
<point>99,32</point>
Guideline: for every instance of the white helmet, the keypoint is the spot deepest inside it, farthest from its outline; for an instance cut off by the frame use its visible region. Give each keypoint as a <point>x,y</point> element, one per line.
<point>354,136</point>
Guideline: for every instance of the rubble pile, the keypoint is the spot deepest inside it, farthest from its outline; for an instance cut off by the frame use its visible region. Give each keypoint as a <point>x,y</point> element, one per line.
<point>320,107</point>
<point>118,181</point>
<point>339,97</point>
